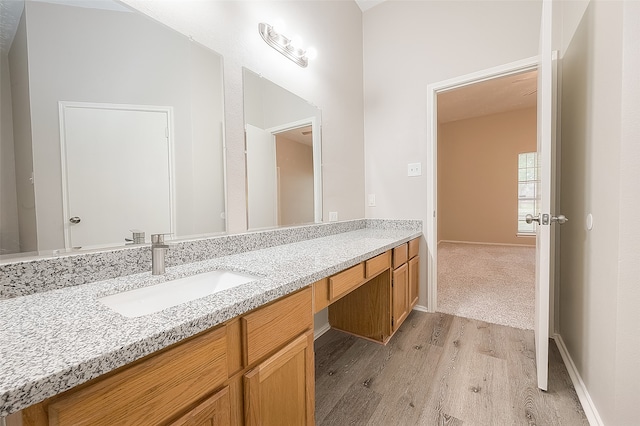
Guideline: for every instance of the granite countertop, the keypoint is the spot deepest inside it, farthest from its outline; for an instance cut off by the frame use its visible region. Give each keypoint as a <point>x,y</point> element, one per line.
<point>55,340</point>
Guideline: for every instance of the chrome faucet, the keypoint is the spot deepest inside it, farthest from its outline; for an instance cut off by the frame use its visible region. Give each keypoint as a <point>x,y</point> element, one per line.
<point>158,252</point>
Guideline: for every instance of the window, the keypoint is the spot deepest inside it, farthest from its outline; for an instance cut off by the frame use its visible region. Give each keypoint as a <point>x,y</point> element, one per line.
<point>527,190</point>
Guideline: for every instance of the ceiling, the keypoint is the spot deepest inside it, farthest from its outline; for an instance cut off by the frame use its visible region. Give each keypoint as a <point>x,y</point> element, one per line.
<point>493,96</point>
<point>11,11</point>
<point>301,135</point>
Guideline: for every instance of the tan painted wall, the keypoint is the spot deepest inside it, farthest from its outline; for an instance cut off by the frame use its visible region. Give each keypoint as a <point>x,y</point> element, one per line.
<point>478,174</point>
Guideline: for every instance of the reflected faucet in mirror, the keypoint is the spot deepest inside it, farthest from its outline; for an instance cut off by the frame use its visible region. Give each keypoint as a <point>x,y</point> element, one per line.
<point>138,237</point>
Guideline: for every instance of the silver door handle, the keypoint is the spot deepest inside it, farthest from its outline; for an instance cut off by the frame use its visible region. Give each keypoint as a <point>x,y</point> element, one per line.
<point>74,220</point>
<point>530,218</point>
<point>561,219</point>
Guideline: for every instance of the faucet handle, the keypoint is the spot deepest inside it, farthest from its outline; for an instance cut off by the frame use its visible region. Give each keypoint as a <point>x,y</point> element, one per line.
<point>138,236</point>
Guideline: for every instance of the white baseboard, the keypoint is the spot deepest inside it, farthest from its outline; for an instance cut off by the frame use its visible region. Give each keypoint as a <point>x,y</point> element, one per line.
<point>320,331</point>
<point>486,244</point>
<point>420,308</point>
<point>581,389</point>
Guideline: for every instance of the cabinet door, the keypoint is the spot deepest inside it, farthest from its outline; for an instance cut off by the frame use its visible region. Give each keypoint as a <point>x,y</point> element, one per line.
<point>414,281</point>
<point>280,390</point>
<point>400,295</point>
<point>150,391</point>
<point>215,410</point>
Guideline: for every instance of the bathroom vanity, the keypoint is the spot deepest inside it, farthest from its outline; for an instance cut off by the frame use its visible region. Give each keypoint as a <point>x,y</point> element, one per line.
<point>241,356</point>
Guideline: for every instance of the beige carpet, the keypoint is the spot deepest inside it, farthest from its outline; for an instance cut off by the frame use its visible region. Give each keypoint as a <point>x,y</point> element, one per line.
<point>488,283</point>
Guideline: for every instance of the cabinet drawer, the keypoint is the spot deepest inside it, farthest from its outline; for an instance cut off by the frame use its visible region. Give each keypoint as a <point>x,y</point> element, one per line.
<point>400,255</point>
<point>345,281</point>
<point>151,391</point>
<point>414,247</point>
<point>268,329</point>
<point>377,264</point>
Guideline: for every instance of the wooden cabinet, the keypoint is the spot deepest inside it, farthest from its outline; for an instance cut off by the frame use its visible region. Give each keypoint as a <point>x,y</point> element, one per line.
<point>256,369</point>
<point>372,306</point>
<point>151,391</point>
<point>280,390</point>
<point>405,280</point>
<point>378,264</point>
<point>260,363</point>
<point>269,328</point>
<point>414,281</point>
<point>215,410</point>
<point>366,311</point>
<point>400,291</point>
<point>346,281</point>
<point>400,255</point>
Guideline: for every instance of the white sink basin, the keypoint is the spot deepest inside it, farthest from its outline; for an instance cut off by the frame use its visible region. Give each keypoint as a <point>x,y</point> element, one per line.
<point>154,298</point>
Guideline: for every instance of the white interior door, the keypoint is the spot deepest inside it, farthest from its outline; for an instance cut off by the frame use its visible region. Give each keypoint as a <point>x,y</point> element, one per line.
<point>546,194</point>
<point>262,178</point>
<point>117,173</point>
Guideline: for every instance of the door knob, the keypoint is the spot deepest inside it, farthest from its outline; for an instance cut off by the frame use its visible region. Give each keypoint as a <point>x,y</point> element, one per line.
<point>74,220</point>
<point>530,218</point>
<point>561,219</point>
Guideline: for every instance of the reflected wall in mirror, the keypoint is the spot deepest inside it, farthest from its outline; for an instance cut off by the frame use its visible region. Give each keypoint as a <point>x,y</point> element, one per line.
<point>283,155</point>
<point>111,122</point>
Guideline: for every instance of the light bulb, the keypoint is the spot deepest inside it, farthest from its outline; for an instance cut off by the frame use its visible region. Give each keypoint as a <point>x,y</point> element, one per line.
<point>279,26</point>
<point>296,41</point>
<point>312,53</point>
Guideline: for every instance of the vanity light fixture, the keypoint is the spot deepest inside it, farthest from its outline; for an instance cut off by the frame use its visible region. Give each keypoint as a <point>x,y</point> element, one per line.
<point>283,45</point>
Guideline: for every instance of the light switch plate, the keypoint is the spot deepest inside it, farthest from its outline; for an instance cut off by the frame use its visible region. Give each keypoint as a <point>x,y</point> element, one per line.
<point>414,169</point>
<point>372,200</point>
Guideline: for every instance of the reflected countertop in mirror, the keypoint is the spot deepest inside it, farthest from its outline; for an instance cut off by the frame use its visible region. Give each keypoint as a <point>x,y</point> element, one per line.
<point>283,155</point>
<point>109,120</point>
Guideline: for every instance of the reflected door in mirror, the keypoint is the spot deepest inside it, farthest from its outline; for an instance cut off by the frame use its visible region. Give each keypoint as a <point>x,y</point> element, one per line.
<point>107,148</point>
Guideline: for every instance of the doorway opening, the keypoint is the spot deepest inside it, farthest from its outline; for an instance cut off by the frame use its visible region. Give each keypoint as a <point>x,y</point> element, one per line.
<point>487,185</point>
<point>284,180</point>
<point>482,264</point>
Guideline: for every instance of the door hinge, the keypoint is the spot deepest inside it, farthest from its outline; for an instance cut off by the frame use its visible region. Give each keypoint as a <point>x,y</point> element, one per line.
<point>392,321</point>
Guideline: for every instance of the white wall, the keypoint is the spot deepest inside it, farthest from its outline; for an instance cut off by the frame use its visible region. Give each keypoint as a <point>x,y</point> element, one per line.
<point>333,82</point>
<point>591,91</point>
<point>23,153</point>
<point>124,67</point>
<point>408,45</point>
<point>599,269</point>
<point>9,234</point>
<point>628,316</point>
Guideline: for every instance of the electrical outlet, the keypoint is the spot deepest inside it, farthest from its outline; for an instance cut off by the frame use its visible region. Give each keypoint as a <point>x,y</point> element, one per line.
<point>372,200</point>
<point>333,216</point>
<point>414,169</point>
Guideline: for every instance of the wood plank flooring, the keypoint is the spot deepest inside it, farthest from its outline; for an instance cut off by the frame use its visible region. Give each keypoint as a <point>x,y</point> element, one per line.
<point>441,369</point>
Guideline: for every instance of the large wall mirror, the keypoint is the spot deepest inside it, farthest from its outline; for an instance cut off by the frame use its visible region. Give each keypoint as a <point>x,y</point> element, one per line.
<point>283,155</point>
<point>110,123</point>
